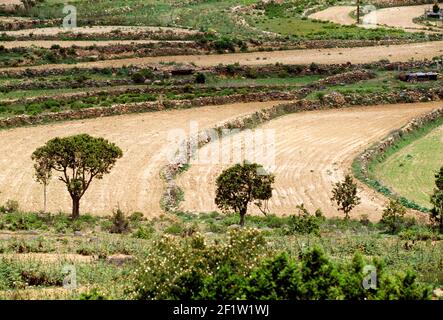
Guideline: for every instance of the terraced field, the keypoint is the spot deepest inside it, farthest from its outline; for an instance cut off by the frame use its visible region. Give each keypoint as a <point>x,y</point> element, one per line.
<point>394,53</point>
<point>134,184</point>
<point>313,151</point>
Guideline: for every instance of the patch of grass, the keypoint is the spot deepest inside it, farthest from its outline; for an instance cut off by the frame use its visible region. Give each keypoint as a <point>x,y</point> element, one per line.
<point>409,166</point>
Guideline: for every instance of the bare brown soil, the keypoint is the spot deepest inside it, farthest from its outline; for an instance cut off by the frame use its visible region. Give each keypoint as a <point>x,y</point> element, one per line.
<point>67,44</point>
<point>313,150</point>
<point>337,14</point>
<point>134,183</point>
<point>96,30</point>
<point>395,17</point>
<point>395,53</point>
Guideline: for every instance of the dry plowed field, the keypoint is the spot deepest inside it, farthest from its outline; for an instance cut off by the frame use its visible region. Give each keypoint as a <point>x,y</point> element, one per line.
<point>398,53</point>
<point>313,150</point>
<point>134,183</point>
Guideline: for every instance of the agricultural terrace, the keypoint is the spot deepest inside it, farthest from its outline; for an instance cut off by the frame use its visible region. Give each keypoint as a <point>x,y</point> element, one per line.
<point>136,84</point>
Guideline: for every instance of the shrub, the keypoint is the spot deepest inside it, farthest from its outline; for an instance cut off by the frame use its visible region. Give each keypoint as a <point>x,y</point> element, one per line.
<point>393,215</point>
<point>144,232</point>
<point>120,223</point>
<point>303,223</point>
<point>10,206</point>
<point>200,78</point>
<point>138,78</point>
<point>235,270</point>
<point>184,268</point>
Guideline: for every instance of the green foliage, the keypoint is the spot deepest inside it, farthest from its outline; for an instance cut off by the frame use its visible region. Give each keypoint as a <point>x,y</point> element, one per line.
<point>200,78</point>
<point>10,206</point>
<point>120,224</point>
<point>242,184</point>
<point>144,232</point>
<point>345,195</point>
<point>437,201</point>
<point>236,270</point>
<point>178,268</point>
<point>392,215</point>
<point>304,222</point>
<point>94,294</point>
<point>79,159</point>
<point>138,78</point>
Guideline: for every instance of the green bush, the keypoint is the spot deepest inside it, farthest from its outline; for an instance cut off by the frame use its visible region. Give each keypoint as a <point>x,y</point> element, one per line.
<point>200,78</point>
<point>304,222</point>
<point>144,232</point>
<point>242,268</point>
<point>176,268</point>
<point>120,223</point>
<point>138,78</point>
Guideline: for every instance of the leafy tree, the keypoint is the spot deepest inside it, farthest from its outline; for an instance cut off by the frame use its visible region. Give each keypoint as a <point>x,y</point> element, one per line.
<point>392,214</point>
<point>437,201</point>
<point>240,185</point>
<point>436,8</point>
<point>79,159</point>
<point>345,195</point>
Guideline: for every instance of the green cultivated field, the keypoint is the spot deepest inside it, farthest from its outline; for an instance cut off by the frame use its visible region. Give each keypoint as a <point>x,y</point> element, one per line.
<point>409,170</point>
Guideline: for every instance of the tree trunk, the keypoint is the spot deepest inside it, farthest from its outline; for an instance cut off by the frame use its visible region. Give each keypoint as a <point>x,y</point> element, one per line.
<point>44,198</point>
<point>358,11</point>
<point>75,207</point>
<point>242,217</point>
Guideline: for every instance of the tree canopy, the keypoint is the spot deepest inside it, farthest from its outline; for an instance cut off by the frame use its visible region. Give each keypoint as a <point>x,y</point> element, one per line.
<point>242,184</point>
<point>78,160</point>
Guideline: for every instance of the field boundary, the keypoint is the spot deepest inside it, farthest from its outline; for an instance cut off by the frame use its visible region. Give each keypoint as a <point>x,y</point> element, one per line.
<point>173,194</point>
<point>119,109</point>
<point>377,152</point>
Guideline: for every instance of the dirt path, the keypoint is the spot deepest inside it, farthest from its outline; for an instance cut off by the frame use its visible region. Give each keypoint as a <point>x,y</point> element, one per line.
<point>399,17</point>
<point>134,183</point>
<point>395,17</point>
<point>313,150</point>
<point>337,14</point>
<point>397,53</point>
<point>67,44</point>
<point>96,30</point>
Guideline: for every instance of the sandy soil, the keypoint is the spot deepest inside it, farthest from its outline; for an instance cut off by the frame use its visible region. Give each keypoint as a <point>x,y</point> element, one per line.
<point>337,14</point>
<point>67,44</point>
<point>134,183</point>
<point>395,17</point>
<point>313,150</point>
<point>397,53</point>
<point>48,257</point>
<point>399,17</point>
<point>95,30</point>
<point>9,5</point>
<point>13,19</point>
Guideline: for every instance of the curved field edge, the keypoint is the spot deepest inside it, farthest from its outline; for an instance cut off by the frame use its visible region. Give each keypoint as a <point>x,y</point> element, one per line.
<point>174,195</point>
<point>362,166</point>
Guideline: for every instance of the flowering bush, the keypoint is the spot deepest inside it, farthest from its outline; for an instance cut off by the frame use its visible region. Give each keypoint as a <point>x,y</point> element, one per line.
<point>242,268</point>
